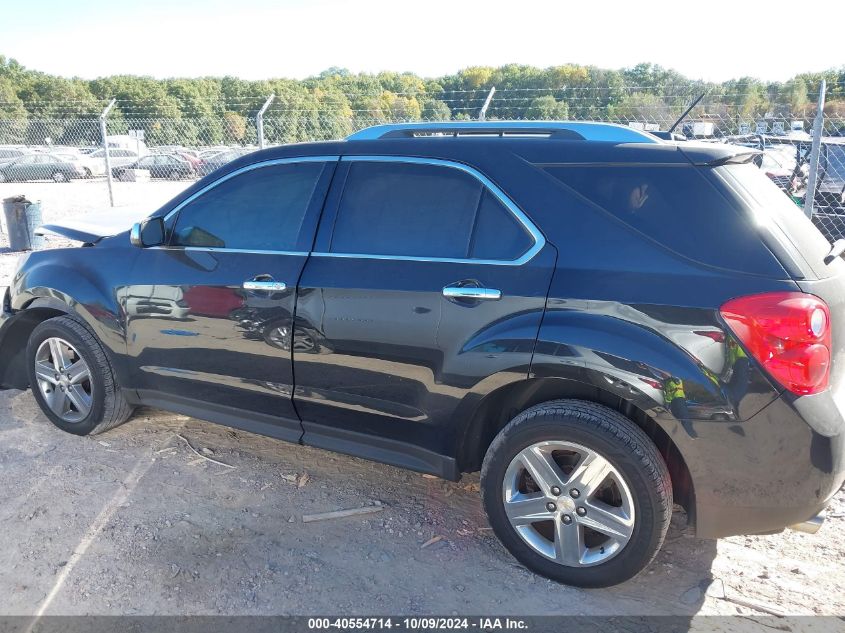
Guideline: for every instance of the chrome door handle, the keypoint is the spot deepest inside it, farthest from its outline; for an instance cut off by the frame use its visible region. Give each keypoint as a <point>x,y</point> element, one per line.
<point>470,292</point>
<point>273,286</point>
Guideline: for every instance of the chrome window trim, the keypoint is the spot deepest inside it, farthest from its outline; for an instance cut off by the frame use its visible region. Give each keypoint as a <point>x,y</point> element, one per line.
<point>246,168</point>
<point>212,249</point>
<point>533,231</point>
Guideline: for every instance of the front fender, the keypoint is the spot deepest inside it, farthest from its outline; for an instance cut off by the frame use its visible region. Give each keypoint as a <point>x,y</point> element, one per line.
<point>82,282</point>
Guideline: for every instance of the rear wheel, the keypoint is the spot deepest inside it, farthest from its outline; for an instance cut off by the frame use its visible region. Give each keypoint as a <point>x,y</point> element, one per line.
<point>577,493</point>
<point>72,379</point>
<point>175,175</point>
<point>59,177</point>
<point>2,177</point>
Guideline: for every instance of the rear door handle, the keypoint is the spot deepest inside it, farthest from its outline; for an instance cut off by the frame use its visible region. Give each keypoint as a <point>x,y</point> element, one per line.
<point>470,292</point>
<point>264,284</point>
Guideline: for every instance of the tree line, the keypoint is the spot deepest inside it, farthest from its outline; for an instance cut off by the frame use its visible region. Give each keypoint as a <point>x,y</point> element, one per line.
<point>210,110</point>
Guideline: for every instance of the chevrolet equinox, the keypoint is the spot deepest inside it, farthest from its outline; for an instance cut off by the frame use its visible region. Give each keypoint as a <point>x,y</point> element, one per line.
<point>602,322</point>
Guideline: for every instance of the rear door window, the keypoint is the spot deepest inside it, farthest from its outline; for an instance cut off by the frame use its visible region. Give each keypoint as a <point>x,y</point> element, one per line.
<point>676,206</point>
<point>406,209</point>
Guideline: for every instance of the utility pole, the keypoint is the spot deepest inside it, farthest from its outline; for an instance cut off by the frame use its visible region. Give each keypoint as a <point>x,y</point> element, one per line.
<point>259,121</point>
<point>483,114</point>
<point>818,129</point>
<point>104,134</point>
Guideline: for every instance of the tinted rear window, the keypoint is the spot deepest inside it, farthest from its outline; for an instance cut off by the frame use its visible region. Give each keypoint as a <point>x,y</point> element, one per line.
<point>420,210</point>
<point>676,206</point>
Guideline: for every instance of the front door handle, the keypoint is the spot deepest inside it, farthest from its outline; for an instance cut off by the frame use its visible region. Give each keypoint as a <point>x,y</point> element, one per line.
<point>471,292</point>
<point>264,284</point>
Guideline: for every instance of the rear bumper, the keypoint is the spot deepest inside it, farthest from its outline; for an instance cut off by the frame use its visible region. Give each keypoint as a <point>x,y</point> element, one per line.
<point>771,472</point>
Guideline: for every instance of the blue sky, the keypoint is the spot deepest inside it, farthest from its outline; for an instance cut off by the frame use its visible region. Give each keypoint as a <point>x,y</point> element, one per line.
<point>256,39</point>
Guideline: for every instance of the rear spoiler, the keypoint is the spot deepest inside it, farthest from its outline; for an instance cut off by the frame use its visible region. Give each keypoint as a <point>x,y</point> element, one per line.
<point>703,154</point>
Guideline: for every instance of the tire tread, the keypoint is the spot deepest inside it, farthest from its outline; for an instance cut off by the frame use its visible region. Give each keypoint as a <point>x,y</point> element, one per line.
<point>606,421</point>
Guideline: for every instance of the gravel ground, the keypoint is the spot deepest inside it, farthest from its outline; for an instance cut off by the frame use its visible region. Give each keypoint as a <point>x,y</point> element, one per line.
<point>135,522</point>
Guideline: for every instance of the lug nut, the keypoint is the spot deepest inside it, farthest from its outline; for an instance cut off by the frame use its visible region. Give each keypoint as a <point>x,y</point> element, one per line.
<point>566,519</point>
<point>555,491</point>
<point>581,511</point>
<point>574,493</point>
<point>551,507</point>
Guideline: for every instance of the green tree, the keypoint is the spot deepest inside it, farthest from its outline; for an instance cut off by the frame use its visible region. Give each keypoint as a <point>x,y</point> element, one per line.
<point>234,127</point>
<point>547,108</point>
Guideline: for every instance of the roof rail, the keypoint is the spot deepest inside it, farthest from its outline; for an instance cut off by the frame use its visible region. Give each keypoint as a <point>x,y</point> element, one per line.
<point>573,130</point>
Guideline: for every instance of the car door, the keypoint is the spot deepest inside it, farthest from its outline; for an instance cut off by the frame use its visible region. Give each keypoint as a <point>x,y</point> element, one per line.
<point>209,315</point>
<point>24,168</point>
<point>148,163</point>
<point>425,288</point>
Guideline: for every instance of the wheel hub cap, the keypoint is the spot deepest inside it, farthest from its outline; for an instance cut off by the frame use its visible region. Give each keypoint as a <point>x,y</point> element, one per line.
<point>64,379</point>
<point>576,529</point>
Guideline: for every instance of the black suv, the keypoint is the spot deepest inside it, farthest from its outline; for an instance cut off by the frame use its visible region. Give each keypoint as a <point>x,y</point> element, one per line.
<point>599,321</point>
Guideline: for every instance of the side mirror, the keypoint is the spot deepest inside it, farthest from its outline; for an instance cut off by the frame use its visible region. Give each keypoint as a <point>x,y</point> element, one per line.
<point>150,232</point>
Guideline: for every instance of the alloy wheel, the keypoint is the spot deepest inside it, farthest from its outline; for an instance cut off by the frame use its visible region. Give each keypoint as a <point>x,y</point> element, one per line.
<point>64,379</point>
<point>568,503</point>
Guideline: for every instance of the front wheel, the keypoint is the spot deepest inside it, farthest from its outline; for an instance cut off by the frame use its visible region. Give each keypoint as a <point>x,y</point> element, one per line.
<point>72,379</point>
<point>577,493</point>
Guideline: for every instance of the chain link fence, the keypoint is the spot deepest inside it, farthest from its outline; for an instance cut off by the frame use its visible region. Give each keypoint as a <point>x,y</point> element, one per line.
<point>802,152</point>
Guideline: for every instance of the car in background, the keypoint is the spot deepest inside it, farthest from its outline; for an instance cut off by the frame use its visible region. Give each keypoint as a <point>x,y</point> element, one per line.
<point>191,157</point>
<point>167,166</point>
<point>43,166</point>
<point>9,154</point>
<point>215,162</point>
<point>210,152</point>
<point>780,163</point>
<point>118,157</point>
<point>830,189</point>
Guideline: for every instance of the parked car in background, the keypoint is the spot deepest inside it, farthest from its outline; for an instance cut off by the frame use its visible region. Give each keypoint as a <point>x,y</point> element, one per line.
<point>9,154</point>
<point>209,152</point>
<point>56,167</point>
<point>780,163</point>
<point>830,189</point>
<point>118,157</point>
<point>601,323</point>
<point>167,166</point>
<point>218,160</point>
<point>190,157</point>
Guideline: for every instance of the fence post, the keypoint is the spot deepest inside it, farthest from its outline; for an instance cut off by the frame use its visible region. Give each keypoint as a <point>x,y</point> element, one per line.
<point>259,121</point>
<point>483,114</point>
<point>104,134</point>
<point>818,130</point>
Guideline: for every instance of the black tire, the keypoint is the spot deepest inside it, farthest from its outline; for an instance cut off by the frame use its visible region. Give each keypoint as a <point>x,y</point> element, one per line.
<point>109,407</point>
<point>60,177</point>
<point>628,449</point>
<point>3,177</point>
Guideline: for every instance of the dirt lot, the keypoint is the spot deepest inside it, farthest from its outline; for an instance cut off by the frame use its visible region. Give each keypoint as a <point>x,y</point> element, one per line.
<point>136,522</point>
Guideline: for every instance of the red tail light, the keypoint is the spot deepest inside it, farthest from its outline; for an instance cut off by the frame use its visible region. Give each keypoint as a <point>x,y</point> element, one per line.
<point>788,333</point>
